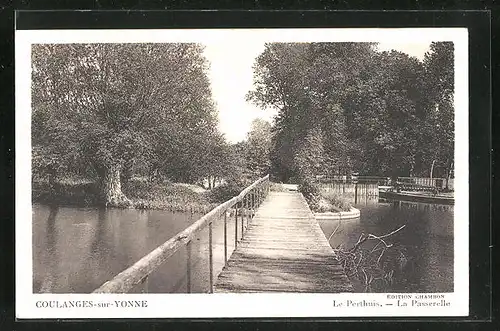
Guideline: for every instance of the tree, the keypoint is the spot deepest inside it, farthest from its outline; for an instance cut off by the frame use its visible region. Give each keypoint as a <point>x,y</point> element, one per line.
<point>372,108</point>
<point>105,105</point>
<point>258,148</point>
<point>308,84</point>
<point>439,88</point>
<point>218,160</point>
<point>279,83</point>
<point>309,157</point>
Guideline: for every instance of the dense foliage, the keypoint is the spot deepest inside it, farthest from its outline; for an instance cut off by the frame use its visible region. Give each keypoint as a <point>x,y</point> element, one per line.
<point>345,107</point>
<point>311,192</point>
<point>108,111</point>
<point>333,202</point>
<point>258,148</point>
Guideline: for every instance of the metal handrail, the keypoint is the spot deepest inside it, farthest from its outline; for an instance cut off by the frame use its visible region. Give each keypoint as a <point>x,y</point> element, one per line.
<point>138,273</point>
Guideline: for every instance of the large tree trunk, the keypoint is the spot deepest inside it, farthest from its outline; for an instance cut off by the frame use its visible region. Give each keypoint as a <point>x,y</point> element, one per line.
<point>111,189</point>
<point>126,172</point>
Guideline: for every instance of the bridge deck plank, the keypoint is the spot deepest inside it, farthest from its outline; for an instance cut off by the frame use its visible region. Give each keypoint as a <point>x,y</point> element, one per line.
<point>283,250</point>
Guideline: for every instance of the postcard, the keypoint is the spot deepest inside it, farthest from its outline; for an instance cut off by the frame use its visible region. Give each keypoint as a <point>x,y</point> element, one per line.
<point>194,173</point>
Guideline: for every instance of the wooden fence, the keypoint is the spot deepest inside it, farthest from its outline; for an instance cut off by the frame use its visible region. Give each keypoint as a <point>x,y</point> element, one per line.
<point>243,204</point>
<point>439,183</point>
<point>428,182</point>
<point>354,179</point>
<point>352,189</point>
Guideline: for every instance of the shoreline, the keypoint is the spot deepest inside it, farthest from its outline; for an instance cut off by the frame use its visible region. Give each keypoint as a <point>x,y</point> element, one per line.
<point>415,197</point>
<point>175,197</point>
<point>354,213</point>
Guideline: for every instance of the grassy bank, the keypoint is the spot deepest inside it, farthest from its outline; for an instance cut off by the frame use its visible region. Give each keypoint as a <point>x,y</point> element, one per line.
<point>332,202</point>
<point>179,197</point>
<point>142,193</point>
<point>320,201</point>
<point>168,196</point>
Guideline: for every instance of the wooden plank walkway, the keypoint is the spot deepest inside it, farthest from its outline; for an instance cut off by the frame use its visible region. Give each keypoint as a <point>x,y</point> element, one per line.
<point>283,250</point>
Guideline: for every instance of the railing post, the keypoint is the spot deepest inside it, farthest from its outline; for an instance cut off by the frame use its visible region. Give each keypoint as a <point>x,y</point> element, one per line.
<point>188,270</point>
<point>251,204</point>
<point>257,193</point>
<point>236,225</point>
<point>210,257</point>
<point>243,216</point>
<point>225,238</point>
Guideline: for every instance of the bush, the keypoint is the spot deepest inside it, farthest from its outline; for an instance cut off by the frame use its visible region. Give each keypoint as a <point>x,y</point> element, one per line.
<point>143,189</point>
<point>226,191</point>
<point>168,196</point>
<point>336,201</point>
<point>312,193</point>
<point>320,201</point>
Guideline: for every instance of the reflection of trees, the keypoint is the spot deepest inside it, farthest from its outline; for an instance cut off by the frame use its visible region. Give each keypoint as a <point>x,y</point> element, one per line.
<point>87,275</point>
<point>99,244</point>
<point>101,260</point>
<point>439,257</point>
<point>51,256</point>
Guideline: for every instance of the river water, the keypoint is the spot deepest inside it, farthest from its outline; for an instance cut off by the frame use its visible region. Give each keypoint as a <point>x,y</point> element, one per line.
<point>424,247</point>
<point>76,250</point>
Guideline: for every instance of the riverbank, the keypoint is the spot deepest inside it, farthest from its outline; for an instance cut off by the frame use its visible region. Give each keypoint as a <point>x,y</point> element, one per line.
<point>169,196</point>
<point>353,213</point>
<point>176,197</point>
<point>424,197</point>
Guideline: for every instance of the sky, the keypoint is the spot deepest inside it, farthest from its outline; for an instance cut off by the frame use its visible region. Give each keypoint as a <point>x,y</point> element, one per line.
<point>231,76</point>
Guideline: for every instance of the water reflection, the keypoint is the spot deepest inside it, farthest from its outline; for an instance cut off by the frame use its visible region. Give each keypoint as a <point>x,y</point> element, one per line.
<point>76,250</point>
<point>425,245</point>
<point>48,252</point>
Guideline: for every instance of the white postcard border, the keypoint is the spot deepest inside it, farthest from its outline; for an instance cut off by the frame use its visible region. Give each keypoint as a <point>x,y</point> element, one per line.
<point>229,305</point>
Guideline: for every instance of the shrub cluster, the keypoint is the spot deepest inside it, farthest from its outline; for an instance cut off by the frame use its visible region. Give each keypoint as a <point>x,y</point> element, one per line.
<point>312,193</point>
<point>336,201</point>
<point>320,201</point>
<point>226,191</point>
<point>168,196</point>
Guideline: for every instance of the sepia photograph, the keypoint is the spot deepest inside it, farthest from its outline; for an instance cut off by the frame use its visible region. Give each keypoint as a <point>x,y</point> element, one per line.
<point>249,162</point>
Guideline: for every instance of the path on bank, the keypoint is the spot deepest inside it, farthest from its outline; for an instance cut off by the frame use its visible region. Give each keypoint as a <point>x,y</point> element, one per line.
<point>283,250</point>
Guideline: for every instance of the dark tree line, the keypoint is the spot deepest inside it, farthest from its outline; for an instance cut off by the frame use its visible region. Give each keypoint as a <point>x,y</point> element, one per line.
<point>111,111</point>
<point>345,107</point>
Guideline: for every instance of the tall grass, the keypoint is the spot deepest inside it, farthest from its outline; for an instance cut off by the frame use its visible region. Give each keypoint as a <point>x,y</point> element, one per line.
<point>321,201</point>
<point>336,201</point>
<point>166,196</point>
